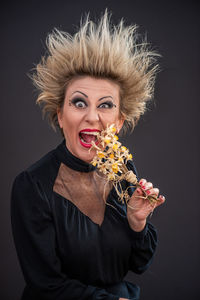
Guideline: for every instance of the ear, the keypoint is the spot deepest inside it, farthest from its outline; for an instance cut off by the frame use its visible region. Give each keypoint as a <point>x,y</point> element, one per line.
<point>59,116</point>
<point>119,125</point>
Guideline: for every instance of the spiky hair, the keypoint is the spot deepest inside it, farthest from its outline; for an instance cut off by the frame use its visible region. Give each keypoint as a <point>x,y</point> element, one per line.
<point>101,50</point>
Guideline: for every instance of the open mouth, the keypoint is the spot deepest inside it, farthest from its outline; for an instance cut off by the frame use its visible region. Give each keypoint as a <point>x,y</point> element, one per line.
<point>87,137</point>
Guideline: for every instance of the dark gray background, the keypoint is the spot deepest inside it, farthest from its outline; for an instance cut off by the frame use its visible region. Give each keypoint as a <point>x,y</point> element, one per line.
<point>164,144</point>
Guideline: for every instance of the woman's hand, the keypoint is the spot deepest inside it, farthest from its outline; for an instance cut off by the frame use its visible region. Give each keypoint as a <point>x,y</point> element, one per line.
<point>123,299</point>
<point>139,208</point>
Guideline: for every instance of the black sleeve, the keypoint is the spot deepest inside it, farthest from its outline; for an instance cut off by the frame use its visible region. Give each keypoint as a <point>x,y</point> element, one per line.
<point>143,243</point>
<point>143,247</point>
<point>35,241</point>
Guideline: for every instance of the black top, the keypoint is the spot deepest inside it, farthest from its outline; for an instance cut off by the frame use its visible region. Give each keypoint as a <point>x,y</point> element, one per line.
<point>69,243</point>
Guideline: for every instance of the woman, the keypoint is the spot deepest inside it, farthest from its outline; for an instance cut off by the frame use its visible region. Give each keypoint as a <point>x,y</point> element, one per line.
<point>71,245</point>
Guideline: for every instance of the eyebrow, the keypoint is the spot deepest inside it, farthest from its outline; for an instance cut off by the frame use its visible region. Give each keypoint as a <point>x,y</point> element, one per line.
<point>80,93</point>
<point>105,97</point>
<point>87,96</point>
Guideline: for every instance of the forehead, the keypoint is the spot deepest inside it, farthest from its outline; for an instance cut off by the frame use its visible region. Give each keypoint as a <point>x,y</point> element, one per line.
<point>93,87</point>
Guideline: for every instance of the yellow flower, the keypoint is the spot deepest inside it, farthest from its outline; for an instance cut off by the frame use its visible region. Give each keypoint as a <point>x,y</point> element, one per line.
<point>116,137</point>
<point>94,163</point>
<point>130,156</point>
<point>115,147</point>
<point>107,141</point>
<point>120,159</point>
<point>113,129</point>
<point>123,148</point>
<point>111,155</point>
<point>115,168</point>
<point>101,155</point>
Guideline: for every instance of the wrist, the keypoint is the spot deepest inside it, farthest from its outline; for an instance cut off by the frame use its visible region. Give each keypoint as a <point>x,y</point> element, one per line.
<point>137,225</point>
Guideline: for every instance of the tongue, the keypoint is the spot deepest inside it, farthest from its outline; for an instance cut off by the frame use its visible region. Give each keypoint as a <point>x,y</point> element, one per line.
<point>88,138</point>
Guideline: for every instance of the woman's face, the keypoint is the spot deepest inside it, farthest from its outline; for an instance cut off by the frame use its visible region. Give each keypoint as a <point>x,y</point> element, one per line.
<point>90,105</point>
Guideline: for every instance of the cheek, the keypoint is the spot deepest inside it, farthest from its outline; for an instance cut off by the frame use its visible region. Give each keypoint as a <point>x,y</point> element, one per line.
<point>109,118</point>
<point>71,122</point>
<point>66,117</point>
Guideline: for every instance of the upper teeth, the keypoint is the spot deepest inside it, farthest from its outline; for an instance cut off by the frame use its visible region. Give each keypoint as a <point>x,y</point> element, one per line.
<point>90,133</point>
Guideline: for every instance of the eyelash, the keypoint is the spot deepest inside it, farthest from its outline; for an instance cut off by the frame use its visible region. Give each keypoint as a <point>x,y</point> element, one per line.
<point>74,101</point>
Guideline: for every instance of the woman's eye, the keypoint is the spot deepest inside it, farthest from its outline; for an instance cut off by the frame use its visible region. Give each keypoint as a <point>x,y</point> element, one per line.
<point>79,103</point>
<point>107,105</point>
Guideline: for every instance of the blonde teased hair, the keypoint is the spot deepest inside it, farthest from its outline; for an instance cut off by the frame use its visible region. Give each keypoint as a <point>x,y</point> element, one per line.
<point>102,51</point>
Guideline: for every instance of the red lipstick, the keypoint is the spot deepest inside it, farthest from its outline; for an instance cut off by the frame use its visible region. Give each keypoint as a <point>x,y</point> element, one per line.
<point>90,130</point>
<point>86,137</point>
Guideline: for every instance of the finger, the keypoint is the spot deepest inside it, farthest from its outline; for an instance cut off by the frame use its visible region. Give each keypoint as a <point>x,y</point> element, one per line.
<point>136,198</point>
<point>139,192</point>
<point>161,199</point>
<point>148,186</point>
<point>142,182</point>
<point>154,191</point>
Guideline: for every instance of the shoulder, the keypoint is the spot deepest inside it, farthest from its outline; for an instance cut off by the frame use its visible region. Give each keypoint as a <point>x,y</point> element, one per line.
<point>45,166</point>
<point>42,174</point>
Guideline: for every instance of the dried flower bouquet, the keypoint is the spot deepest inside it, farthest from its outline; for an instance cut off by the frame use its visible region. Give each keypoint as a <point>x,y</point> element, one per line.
<point>111,159</point>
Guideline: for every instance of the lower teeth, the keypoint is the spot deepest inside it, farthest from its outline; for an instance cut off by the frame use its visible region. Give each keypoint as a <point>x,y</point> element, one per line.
<point>85,142</point>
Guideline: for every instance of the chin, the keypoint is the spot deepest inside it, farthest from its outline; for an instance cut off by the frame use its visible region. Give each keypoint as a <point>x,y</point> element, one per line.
<point>82,153</point>
<point>86,156</point>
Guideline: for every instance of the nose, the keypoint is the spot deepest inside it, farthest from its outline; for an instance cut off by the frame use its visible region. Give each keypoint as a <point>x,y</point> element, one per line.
<point>92,115</point>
